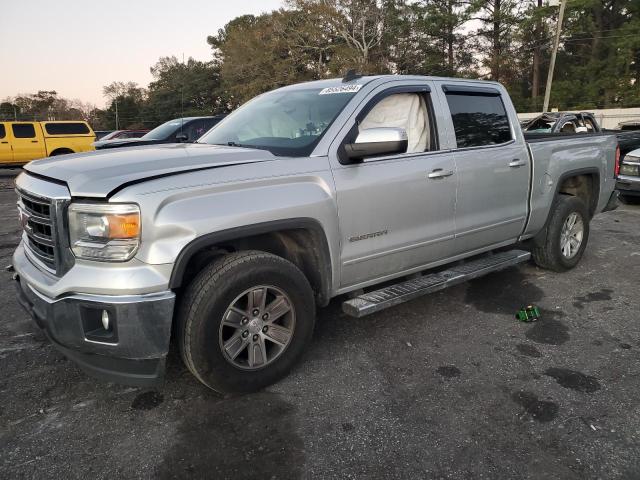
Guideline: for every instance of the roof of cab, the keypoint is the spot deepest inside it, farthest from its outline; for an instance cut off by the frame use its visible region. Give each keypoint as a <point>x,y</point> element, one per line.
<point>366,79</point>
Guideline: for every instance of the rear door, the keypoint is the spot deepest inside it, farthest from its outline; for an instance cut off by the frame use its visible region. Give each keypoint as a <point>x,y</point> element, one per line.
<point>492,167</point>
<point>28,142</point>
<point>6,154</point>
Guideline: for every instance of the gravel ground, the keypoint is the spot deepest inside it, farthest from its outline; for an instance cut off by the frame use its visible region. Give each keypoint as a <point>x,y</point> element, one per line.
<point>446,386</point>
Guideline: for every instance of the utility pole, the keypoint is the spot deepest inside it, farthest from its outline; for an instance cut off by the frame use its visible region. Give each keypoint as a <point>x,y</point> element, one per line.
<point>116,100</point>
<point>535,81</point>
<point>556,43</point>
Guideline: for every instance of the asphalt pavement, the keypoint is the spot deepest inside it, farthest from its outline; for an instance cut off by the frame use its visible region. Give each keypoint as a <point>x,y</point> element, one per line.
<point>447,386</point>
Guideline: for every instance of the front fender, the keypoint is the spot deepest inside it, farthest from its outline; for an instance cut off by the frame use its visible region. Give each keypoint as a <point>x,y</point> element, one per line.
<point>183,212</point>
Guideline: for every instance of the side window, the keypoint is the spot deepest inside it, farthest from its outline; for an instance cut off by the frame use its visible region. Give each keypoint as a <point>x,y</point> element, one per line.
<point>66,128</point>
<point>403,110</point>
<point>580,125</point>
<point>209,123</point>
<point>23,130</point>
<point>3,132</point>
<point>478,119</point>
<point>568,127</point>
<point>196,129</point>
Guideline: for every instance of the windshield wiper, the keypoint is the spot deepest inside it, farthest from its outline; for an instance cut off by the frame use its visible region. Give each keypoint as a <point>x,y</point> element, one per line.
<point>240,145</point>
<point>233,144</point>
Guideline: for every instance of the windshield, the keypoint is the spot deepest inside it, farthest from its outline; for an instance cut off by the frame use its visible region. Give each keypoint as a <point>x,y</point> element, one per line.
<point>287,122</point>
<point>164,131</point>
<point>109,136</point>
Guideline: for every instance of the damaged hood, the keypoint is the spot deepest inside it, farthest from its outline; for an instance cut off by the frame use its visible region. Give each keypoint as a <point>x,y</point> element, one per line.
<point>97,174</point>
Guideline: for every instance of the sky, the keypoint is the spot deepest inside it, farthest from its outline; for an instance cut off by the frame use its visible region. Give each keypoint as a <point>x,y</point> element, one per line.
<point>76,47</point>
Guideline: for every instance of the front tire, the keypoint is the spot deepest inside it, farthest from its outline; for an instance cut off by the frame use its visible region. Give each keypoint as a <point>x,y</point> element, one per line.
<point>566,235</point>
<point>244,321</point>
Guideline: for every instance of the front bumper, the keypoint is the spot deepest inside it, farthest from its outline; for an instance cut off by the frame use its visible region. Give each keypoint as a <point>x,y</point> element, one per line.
<point>628,185</point>
<point>131,351</point>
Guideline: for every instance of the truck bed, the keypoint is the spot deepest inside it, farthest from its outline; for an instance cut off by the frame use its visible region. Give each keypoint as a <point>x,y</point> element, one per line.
<point>558,155</point>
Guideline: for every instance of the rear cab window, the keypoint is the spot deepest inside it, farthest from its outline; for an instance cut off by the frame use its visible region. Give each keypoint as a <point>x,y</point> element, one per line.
<point>71,128</point>
<point>589,123</point>
<point>23,130</point>
<point>479,116</point>
<point>3,131</point>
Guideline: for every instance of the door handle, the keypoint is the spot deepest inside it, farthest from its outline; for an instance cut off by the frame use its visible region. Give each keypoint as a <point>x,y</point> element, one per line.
<point>34,141</point>
<point>517,163</point>
<point>440,173</point>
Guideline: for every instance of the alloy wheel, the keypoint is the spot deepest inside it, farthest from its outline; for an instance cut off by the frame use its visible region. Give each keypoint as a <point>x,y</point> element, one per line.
<point>571,235</point>
<point>257,327</point>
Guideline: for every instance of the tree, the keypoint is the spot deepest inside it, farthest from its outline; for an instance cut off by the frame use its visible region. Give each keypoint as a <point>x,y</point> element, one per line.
<point>447,47</point>
<point>357,27</point>
<point>530,43</point>
<point>599,61</point>
<point>498,20</point>
<point>8,110</point>
<point>260,53</point>
<point>538,33</point>
<point>183,89</point>
<point>125,108</point>
<point>402,48</point>
<point>36,106</point>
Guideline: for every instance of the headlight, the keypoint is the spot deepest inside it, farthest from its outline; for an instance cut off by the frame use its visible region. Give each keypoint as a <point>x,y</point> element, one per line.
<point>626,169</point>
<point>104,232</point>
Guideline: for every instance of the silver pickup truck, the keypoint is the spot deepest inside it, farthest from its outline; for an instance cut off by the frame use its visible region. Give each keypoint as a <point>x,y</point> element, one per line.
<point>303,194</point>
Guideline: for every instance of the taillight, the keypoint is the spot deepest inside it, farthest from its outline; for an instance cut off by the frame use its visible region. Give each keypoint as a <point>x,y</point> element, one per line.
<point>617,167</point>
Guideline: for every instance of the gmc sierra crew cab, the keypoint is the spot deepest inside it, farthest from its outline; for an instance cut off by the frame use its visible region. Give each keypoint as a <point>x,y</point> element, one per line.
<point>312,191</point>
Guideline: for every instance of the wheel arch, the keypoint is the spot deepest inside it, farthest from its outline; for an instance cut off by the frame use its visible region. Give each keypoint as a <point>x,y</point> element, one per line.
<point>302,241</point>
<point>564,187</point>
<point>61,151</point>
<point>583,183</point>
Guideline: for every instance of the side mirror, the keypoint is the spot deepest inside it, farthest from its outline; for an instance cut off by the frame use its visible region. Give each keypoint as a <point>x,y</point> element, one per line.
<point>182,137</point>
<point>377,141</point>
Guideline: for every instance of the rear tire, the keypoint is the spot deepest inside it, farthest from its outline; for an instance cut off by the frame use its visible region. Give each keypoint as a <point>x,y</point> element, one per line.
<point>223,313</point>
<point>567,235</point>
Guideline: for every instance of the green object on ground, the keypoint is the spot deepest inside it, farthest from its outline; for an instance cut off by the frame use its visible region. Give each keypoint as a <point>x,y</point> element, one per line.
<point>529,313</point>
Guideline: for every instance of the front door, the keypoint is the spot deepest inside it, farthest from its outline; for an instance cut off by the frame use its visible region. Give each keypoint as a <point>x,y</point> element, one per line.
<point>394,216</point>
<point>27,144</point>
<point>6,154</point>
<point>493,170</point>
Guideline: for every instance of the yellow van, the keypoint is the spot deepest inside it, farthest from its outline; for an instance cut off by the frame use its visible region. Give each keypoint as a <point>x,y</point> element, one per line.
<point>21,142</point>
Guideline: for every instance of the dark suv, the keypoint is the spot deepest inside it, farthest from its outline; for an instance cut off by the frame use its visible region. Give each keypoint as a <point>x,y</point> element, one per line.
<point>180,130</point>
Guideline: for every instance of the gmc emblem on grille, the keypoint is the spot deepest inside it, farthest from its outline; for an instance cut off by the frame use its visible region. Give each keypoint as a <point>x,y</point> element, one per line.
<point>24,220</point>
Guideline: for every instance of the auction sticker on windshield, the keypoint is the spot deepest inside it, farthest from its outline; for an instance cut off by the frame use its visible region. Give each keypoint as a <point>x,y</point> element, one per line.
<point>340,89</point>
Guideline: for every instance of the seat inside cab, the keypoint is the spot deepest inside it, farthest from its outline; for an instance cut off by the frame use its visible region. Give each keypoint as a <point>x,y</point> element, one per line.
<point>402,110</point>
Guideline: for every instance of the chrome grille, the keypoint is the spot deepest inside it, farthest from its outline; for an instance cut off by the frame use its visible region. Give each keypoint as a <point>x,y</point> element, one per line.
<point>37,217</point>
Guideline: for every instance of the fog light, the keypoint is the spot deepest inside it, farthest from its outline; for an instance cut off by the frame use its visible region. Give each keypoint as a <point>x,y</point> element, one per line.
<point>99,324</point>
<point>105,319</point>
